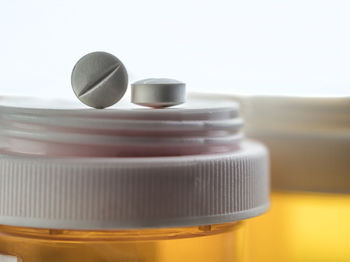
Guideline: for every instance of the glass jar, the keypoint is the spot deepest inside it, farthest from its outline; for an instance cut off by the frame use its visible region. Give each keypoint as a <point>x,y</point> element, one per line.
<point>126,184</point>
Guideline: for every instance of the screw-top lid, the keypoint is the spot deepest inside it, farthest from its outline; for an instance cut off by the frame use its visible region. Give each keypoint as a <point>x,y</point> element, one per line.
<point>63,166</point>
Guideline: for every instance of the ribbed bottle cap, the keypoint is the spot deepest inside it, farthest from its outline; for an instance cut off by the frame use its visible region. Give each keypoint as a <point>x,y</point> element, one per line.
<point>62,166</point>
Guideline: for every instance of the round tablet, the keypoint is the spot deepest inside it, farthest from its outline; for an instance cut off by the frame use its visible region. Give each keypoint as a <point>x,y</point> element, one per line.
<point>158,92</point>
<point>99,79</point>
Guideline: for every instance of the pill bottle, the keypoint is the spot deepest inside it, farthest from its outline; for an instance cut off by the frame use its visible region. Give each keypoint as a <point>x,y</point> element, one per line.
<point>309,143</point>
<point>127,183</point>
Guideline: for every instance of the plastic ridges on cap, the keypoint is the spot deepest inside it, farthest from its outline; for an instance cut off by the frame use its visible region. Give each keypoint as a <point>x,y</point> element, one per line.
<point>107,193</point>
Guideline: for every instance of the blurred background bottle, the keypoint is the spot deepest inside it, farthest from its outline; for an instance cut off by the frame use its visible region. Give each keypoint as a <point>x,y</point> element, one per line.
<point>309,143</point>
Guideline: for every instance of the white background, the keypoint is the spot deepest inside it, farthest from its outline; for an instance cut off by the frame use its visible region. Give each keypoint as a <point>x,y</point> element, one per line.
<point>281,47</point>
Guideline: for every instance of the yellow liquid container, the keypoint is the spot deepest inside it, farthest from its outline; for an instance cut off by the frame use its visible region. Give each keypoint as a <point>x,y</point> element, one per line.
<point>127,184</point>
<point>303,229</point>
<point>309,143</point>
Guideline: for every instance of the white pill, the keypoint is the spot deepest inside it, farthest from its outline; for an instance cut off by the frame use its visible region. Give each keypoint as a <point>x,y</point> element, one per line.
<point>158,92</point>
<point>99,79</point>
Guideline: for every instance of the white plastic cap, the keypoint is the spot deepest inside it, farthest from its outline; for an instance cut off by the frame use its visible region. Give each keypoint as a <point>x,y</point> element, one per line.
<point>71,168</point>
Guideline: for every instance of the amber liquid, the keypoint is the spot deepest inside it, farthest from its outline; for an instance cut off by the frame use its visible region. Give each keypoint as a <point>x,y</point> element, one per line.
<point>302,227</point>
<point>212,243</point>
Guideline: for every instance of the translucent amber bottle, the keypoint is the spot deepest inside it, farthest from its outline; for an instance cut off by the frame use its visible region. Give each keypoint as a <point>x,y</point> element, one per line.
<point>126,184</point>
<point>309,143</point>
